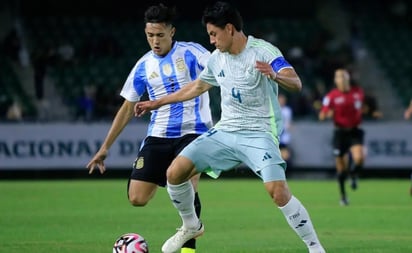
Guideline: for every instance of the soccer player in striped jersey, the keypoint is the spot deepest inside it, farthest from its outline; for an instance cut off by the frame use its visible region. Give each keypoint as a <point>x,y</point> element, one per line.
<point>248,71</point>
<point>168,67</point>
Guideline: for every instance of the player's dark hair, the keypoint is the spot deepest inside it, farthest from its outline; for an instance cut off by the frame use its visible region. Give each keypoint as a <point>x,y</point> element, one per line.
<point>160,14</point>
<point>222,13</point>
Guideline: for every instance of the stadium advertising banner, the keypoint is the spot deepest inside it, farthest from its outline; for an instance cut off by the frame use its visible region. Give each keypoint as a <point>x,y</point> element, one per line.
<point>71,146</point>
<point>66,146</point>
<point>387,145</point>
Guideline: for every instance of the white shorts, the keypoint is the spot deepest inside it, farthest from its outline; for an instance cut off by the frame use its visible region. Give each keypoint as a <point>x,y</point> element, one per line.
<point>216,151</point>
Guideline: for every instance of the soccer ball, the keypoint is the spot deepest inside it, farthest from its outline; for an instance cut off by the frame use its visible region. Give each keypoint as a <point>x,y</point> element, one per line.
<point>130,243</point>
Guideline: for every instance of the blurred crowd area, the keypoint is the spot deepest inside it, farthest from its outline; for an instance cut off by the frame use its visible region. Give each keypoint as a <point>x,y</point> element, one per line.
<point>72,67</point>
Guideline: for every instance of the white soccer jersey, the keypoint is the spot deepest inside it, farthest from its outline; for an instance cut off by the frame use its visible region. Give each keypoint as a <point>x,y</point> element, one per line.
<point>163,75</point>
<point>248,98</point>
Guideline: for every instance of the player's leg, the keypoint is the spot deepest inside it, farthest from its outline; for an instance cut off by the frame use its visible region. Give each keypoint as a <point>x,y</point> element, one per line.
<point>181,191</point>
<point>295,213</point>
<point>265,154</point>
<point>410,190</point>
<point>190,246</point>
<point>195,182</point>
<point>149,170</point>
<point>208,151</point>
<point>140,192</point>
<point>357,153</point>
<point>358,156</point>
<point>180,144</point>
<point>182,194</point>
<point>342,174</point>
<point>340,150</point>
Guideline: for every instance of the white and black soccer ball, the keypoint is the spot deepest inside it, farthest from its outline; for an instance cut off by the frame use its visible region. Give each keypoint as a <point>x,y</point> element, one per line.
<point>130,243</point>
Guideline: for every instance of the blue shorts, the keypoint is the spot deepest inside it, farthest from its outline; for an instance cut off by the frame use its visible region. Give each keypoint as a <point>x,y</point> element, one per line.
<point>216,151</point>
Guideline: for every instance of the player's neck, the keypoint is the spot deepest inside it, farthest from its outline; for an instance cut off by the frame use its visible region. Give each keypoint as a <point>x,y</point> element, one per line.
<point>345,89</point>
<point>239,43</point>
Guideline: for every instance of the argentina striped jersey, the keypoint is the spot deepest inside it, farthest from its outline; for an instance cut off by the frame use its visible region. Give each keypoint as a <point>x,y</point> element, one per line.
<point>163,75</point>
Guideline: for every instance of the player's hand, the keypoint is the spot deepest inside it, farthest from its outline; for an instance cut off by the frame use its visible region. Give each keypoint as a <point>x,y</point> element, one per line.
<point>143,107</point>
<point>325,115</point>
<point>407,115</point>
<point>266,69</point>
<point>97,161</point>
<point>329,114</point>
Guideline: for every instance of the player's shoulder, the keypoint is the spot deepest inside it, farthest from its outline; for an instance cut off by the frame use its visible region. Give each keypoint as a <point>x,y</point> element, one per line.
<point>215,56</point>
<point>261,44</point>
<point>263,48</point>
<point>334,92</point>
<point>357,88</point>
<point>144,58</point>
<point>192,46</point>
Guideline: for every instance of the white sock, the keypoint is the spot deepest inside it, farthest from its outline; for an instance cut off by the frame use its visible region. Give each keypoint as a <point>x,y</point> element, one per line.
<point>183,197</point>
<point>298,218</point>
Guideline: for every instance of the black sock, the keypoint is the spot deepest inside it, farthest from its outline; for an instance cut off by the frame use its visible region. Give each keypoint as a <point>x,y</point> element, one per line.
<point>341,181</point>
<point>198,207</point>
<point>356,169</point>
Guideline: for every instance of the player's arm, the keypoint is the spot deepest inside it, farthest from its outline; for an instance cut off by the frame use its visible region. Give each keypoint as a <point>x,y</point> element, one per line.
<point>122,118</point>
<point>323,115</point>
<point>326,111</point>
<point>408,111</point>
<point>189,91</point>
<point>287,77</point>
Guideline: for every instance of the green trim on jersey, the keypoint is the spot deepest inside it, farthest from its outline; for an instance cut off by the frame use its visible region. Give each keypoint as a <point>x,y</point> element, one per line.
<point>265,45</point>
<point>273,125</point>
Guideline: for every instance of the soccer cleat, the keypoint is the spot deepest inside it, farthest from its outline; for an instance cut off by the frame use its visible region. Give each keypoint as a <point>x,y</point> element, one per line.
<point>344,202</point>
<point>175,243</point>
<point>188,250</point>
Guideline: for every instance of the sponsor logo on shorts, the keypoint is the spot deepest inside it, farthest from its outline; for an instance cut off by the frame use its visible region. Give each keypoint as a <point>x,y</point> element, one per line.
<point>139,163</point>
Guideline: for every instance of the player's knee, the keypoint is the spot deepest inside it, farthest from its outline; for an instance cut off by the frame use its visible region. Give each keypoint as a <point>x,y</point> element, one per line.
<point>174,175</point>
<point>180,170</point>
<point>136,200</point>
<point>280,198</point>
<point>280,194</point>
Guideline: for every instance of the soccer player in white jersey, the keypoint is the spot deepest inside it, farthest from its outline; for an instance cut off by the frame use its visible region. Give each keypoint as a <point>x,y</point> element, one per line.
<point>168,67</point>
<point>248,71</point>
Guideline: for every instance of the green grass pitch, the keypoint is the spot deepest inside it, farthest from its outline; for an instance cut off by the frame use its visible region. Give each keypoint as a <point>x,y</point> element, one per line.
<point>86,216</point>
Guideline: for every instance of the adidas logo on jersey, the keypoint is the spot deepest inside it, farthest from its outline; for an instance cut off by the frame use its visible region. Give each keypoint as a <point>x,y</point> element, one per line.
<point>153,75</point>
<point>221,74</point>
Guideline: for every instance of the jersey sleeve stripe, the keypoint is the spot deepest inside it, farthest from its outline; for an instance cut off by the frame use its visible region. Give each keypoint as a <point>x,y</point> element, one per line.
<point>269,48</point>
<point>194,45</point>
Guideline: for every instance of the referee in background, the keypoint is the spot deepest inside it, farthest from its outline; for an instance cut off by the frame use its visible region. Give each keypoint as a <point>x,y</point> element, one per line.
<point>344,105</point>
